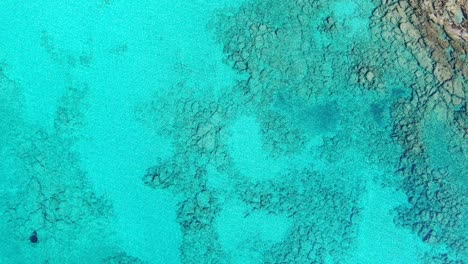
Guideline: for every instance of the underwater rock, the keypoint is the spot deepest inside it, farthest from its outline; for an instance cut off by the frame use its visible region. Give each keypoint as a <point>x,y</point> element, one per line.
<point>329,24</point>
<point>34,238</point>
<point>442,73</point>
<point>122,258</point>
<point>315,232</point>
<point>164,175</point>
<point>367,77</point>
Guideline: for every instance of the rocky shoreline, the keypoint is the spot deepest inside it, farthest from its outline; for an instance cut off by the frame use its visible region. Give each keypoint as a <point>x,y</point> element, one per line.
<point>449,14</point>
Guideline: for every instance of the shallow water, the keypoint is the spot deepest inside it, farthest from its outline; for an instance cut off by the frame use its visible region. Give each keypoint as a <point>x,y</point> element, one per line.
<point>256,131</point>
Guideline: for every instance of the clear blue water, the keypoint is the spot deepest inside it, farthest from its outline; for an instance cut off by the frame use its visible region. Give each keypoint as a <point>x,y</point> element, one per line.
<point>234,131</point>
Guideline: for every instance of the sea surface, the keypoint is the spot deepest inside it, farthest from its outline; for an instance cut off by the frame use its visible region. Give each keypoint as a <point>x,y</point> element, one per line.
<point>235,131</point>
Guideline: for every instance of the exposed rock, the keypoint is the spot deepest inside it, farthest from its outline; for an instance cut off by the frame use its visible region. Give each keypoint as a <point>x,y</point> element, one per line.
<point>442,73</point>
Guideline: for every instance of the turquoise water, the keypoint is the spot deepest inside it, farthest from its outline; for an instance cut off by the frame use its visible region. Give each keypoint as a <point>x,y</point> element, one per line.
<point>240,131</point>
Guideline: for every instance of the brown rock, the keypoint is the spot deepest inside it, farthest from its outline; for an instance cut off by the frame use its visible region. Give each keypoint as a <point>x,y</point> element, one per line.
<point>458,89</point>
<point>409,31</point>
<point>370,76</point>
<point>425,61</point>
<point>456,100</point>
<point>442,72</point>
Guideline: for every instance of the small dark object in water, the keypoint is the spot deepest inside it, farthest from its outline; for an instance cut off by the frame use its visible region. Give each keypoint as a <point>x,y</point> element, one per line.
<point>33,238</point>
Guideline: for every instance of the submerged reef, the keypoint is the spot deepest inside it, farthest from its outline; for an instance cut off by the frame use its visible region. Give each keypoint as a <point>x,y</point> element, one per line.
<point>122,258</point>
<point>436,189</point>
<point>342,131</point>
<point>311,73</point>
<point>197,122</point>
<point>50,203</point>
<point>68,58</point>
<point>308,199</point>
<point>295,94</point>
